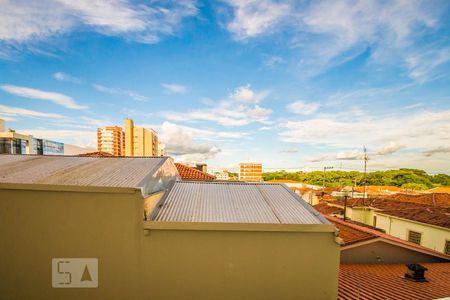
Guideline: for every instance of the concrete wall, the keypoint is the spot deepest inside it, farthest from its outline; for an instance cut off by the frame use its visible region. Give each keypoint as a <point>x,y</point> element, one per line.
<point>224,265</point>
<point>432,237</point>
<point>37,226</point>
<point>384,253</point>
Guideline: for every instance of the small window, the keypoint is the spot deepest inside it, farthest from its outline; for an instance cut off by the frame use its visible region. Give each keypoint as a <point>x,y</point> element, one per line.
<point>414,237</point>
<point>447,247</point>
<point>374,221</point>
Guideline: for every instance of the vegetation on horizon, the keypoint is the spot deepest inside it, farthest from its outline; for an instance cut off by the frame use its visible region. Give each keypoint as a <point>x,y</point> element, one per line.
<point>412,179</point>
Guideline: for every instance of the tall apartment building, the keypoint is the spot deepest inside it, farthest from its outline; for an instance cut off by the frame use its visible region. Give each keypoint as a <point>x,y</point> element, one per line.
<point>250,172</point>
<point>140,141</point>
<point>161,149</point>
<point>111,139</point>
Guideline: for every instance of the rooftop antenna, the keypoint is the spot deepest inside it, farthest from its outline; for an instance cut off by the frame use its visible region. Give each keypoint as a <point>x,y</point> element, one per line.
<point>366,158</point>
<point>323,186</point>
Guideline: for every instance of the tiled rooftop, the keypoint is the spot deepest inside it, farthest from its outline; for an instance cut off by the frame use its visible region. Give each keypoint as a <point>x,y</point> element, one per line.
<point>435,199</point>
<point>439,216</point>
<point>378,189</point>
<point>285,181</point>
<point>381,282</point>
<point>441,189</point>
<point>98,153</point>
<point>326,209</point>
<point>432,209</point>
<point>189,173</point>
<point>352,233</point>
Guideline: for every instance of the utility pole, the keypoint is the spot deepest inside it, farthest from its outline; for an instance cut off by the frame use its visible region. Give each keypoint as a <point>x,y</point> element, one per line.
<point>323,186</point>
<point>345,206</point>
<point>366,158</point>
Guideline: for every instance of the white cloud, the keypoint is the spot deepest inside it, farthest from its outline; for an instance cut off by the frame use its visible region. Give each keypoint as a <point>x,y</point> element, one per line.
<point>303,108</point>
<point>117,91</point>
<point>265,128</point>
<point>60,76</point>
<point>203,134</point>
<point>390,148</point>
<point>328,33</point>
<point>238,109</point>
<point>291,151</point>
<point>30,93</point>
<point>179,141</point>
<point>274,61</point>
<point>423,66</point>
<point>84,138</point>
<point>439,150</point>
<point>255,17</point>
<point>25,21</point>
<point>354,154</point>
<point>174,88</point>
<point>247,95</point>
<point>9,113</point>
<point>415,131</point>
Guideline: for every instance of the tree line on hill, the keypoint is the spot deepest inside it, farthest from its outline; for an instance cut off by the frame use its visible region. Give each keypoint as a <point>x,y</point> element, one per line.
<point>412,179</point>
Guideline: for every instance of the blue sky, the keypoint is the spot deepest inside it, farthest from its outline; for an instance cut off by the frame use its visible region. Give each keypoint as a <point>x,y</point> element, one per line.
<point>293,84</point>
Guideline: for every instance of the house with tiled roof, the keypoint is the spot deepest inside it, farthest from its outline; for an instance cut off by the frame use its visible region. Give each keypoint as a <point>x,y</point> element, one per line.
<point>441,189</point>
<point>373,190</point>
<point>361,244</point>
<point>96,154</point>
<point>422,219</point>
<point>388,281</point>
<point>190,173</point>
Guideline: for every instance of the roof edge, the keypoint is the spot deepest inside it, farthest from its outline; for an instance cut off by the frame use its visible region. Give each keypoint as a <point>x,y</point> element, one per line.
<point>216,226</point>
<point>68,188</point>
<point>308,207</point>
<point>413,221</point>
<point>420,249</point>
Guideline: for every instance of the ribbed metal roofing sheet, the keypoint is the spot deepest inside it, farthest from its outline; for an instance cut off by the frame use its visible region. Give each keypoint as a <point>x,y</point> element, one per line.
<point>79,171</point>
<point>228,202</point>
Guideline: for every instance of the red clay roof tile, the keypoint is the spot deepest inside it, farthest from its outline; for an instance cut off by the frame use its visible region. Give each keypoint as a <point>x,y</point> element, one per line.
<point>189,173</point>
<point>98,153</point>
<point>347,231</point>
<point>381,281</point>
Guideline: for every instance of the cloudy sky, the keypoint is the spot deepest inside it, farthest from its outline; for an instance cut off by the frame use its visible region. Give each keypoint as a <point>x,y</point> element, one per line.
<point>291,84</point>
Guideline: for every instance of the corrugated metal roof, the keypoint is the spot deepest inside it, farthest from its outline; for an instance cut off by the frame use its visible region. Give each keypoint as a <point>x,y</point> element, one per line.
<point>79,171</point>
<point>229,202</point>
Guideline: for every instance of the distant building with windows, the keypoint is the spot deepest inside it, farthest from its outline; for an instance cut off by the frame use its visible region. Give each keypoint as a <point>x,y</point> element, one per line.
<point>161,149</point>
<point>111,139</point>
<point>223,176</point>
<point>134,141</point>
<point>47,147</point>
<point>140,141</point>
<point>12,142</point>
<point>250,172</point>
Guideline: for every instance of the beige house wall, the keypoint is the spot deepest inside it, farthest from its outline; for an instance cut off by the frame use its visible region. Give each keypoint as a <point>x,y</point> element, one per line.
<point>372,252</point>
<point>165,261</point>
<point>201,264</point>
<point>433,237</point>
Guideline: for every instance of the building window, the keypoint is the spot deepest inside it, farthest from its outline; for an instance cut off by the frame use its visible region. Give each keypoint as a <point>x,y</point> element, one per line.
<point>414,237</point>
<point>374,221</point>
<point>447,247</point>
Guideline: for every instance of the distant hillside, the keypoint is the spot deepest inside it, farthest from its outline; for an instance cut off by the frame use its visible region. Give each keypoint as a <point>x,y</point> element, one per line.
<point>407,178</point>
